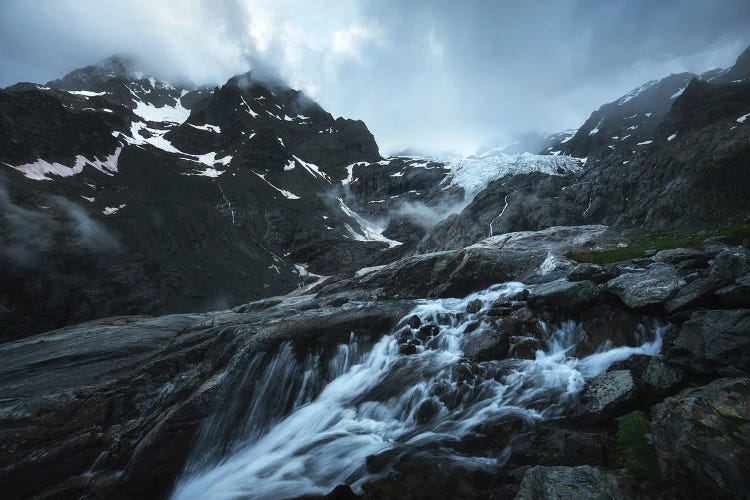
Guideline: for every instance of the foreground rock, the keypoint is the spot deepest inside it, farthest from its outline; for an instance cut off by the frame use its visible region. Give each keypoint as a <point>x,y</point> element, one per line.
<point>643,289</point>
<point>701,438</point>
<point>112,406</point>
<point>714,342</point>
<point>574,483</point>
<point>607,396</point>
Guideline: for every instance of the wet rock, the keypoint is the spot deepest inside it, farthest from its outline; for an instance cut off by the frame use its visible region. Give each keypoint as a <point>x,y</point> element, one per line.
<point>642,289</point>
<point>580,483</point>
<point>565,296</point>
<point>524,347</point>
<point>341,492</point>
<point>427,332</point>
<point>553,445</point>
<point>676,255</point>
<point>606,396</point>
<point>414,322</point>
<point>700,436</point>
<point>661,379</point>
<point>474,306</point>
<point>592,272</point>
<point>499,311</point>
<point>729,265</point>
<point>713,342</point>
<point>407,349</point>
<point>426,411</point>
<point>485,344</point>
<point>617,326</point>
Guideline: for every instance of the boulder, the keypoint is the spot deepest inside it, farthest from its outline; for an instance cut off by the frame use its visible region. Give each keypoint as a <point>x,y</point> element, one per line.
<point>700,436</point>
<point>638,290</point>
<point>485,344</point>
<point>729,265</point>
<point>553,445</point>
<point>607,395</point>
<point>569,297</point>
<point>660,378</point>
<point>713,342</point>
<point>583,482</point>
<point>737,294</point>
<point>674,256</point>
<point>592,272</point>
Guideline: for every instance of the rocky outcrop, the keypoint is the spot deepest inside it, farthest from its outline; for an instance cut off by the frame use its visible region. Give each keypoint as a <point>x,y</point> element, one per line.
<point>640,290</point>
<point>701,438</point>
<point>583,482</point>
<point>606,396</point>
<point>714,342</point>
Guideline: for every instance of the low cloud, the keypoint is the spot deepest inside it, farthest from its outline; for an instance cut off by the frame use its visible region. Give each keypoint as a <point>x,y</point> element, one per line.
<point>429,74</point>
<point>28,234</point>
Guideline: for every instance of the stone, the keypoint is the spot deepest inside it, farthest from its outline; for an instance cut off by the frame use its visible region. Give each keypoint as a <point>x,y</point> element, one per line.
<point>674,256</point>
<point>474,306</point>
<point>575,483</point>
<point>485,344</point>
<point>700,436</point>
<point>660,378</point>
<point>713,342</point>
<point>639,290</point>
<point>553,445</point>
<point>606,396</point>
<point>414,322</point>
<point>592,272</point>
<point>565,296</point>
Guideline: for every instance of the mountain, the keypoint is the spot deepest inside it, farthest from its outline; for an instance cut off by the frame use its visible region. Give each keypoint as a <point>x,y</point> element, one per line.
<point>137,196</point>
<point>680,169</point>
<point>492,326</point>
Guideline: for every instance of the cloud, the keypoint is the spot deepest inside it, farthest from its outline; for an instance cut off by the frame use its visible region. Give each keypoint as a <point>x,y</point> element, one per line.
<point>429,74</point>
<point>30,233</point>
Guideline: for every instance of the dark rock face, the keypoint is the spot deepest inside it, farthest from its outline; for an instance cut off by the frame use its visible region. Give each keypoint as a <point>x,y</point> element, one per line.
<point>701,438</point>
<point>485,344</point>
<point>714,342</point>
<point>138,388</point>
<point>640,290</point>
<point>607,396</point>
<point>118,199</point>
<point>583,482</point>
<point>565,296</point>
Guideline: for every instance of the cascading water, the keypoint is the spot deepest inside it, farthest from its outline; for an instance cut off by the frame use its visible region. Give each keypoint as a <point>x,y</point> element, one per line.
<point>310,426</point>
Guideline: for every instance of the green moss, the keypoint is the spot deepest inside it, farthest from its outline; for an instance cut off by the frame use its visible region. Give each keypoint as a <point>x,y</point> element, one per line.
<point>734,235</point>
<point>637,455</point>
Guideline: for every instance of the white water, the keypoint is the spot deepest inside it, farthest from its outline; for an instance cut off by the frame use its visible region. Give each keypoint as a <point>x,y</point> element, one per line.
<point>310,425</point>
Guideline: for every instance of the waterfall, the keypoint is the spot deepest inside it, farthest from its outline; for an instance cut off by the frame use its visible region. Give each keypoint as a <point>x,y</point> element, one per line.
<point>309,425</point>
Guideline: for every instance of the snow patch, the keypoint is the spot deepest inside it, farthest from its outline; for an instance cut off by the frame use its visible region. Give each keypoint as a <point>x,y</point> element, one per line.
<point>742,118</point>
<point>41,169</point>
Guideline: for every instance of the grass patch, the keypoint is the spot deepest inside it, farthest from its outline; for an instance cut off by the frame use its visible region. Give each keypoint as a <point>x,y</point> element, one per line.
<point>637,455</point>
<point>734,235</point>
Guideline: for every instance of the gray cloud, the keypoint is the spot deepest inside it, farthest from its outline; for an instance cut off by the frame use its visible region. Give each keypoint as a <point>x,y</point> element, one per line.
<point>429,74</point>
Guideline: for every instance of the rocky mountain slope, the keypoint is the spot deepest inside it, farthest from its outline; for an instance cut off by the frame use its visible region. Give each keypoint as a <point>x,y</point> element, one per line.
<point>686,174</point>
<point>137,196</point>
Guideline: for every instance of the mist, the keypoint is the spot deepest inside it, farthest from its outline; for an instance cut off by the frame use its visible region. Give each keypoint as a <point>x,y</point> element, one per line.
<point>430,75</point>
<point>31,233</point>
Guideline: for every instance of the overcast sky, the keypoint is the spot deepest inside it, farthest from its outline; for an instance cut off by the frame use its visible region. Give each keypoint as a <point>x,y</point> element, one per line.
<point>428,74</point>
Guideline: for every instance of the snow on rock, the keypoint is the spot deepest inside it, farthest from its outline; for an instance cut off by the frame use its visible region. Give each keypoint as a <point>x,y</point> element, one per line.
<point>672,137</point>
<point>288,195</point>
<point>350,172</point>
<point>112,210</point>
<point>636,92</point>
<point>742,118</point>
<point>249,110</point>
<point>475,172</point>
<point>678,93</point>
<point>86,93</point>
<point>366,231</point>
<point>151,113</point>
<point>313,169</point>
<point>595,130</point>
<point>644,143</point>
<point>41,169</point>
<point>207,127</point>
